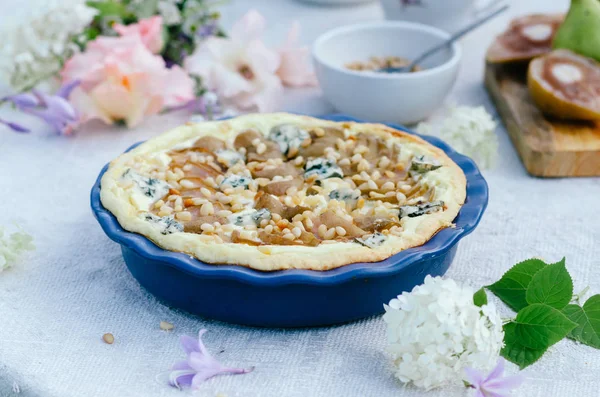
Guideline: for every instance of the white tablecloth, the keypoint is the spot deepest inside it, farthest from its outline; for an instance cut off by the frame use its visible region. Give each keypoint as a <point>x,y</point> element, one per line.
<point>55,306</point>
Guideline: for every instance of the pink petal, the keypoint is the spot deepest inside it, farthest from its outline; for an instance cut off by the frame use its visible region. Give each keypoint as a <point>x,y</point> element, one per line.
<point>293,35</point>
<point>250,27</point>
<point>87,108</point>
<point>149,30</point>
<point>107,44</point>
<point>261,58</point>
<point>123,29</point>
<point>114,100</point>
<point>153,106</point>
<point>86,67</point>
<point>295,69</point>
<point>179,88</point>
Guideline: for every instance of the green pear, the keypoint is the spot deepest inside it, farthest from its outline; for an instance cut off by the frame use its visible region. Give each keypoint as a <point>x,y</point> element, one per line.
<point>580,32</point>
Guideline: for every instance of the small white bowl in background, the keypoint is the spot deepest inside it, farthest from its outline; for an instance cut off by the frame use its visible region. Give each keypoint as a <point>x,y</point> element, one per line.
<point>385,97</point>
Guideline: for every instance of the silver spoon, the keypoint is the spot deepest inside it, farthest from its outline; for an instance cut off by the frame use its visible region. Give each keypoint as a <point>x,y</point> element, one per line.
<point>452,39</point>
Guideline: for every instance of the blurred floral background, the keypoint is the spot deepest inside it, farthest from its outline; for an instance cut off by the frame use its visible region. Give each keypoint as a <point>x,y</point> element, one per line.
<point>118,61</point>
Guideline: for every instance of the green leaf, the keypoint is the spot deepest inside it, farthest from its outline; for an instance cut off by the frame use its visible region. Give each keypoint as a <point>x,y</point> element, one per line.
<point>91,33</point>
<point>111,7</point>
<point>166,37</point>
<point>480,298</point>
<point>552,286</point>
<point>515,352</point>
<point>512,287</point>
<point>144,9</point>
<point>588,321</point>
<point>540,326</point>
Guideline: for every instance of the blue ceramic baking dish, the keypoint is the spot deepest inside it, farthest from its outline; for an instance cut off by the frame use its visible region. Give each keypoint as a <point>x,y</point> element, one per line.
<point>293,298</point>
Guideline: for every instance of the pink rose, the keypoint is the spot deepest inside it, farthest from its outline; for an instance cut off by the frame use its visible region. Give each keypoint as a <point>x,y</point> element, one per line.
<point>122,80</point>
<point>149,29</point>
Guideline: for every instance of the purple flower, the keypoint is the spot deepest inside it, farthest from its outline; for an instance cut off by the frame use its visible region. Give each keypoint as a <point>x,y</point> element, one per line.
<point>199,365</point>
<point>14,126</point>
<point>55,109</point>
<point>206,104</point>
<point>197,26</point>
<point>207,30</point>
<point>494,385</point>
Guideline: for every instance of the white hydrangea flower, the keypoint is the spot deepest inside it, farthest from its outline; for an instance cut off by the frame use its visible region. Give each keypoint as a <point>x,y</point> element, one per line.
<point>35,40</point>
<point>11,247</point>
<point>469,130</point>
<point>436,331</point>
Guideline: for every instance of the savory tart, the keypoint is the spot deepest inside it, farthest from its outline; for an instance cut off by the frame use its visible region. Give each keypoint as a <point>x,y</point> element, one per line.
<point>281,191</point>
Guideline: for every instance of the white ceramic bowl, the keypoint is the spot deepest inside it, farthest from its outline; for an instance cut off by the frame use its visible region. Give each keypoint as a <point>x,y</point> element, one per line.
<point>386,97</point>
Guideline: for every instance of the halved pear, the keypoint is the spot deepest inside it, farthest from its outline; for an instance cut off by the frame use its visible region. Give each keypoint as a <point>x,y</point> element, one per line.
<point>566,85</point>
<point>580,32</point>
<point>526,38</point>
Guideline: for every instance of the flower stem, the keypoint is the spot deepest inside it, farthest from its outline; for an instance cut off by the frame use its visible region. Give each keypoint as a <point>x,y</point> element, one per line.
<point>577,298</point>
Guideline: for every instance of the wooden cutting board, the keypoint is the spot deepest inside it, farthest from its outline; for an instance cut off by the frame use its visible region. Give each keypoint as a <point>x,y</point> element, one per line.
<point>548,148</point>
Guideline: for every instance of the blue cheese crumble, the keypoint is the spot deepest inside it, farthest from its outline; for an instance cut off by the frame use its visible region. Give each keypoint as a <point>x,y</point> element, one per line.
<point>322,168</point>
<point>250,217</point>
<point>229,157</point>
<point>422,165</point>
<point>149,190</point>
<point>165,224</point>
<point>288,137</point>
<point>236,181</point>
<point>371,240</point>
<point>347,195</point>
<point>413,211</point>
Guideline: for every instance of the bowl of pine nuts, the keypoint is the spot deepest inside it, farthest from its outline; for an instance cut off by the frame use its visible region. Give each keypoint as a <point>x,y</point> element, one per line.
<point>349,61</point>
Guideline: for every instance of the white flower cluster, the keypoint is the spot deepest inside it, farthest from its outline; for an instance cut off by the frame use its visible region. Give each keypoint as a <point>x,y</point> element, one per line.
<point>11,247</point>
<point>35,42</point>
<point>436,331</point>
<point>469,130</point>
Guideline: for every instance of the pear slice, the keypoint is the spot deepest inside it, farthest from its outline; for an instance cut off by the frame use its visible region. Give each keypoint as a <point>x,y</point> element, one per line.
<point>566,85</point>
<point>525,38</point>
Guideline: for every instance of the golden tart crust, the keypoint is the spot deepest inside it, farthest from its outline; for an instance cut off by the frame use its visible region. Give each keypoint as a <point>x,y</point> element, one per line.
<point>281,191</point>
